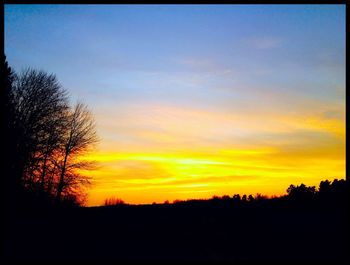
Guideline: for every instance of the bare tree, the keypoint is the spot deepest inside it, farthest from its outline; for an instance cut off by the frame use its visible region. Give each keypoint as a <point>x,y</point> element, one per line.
<point>49,137</point>
<point>39,106</point>
<point>113,201</point>
<point>80,136</point>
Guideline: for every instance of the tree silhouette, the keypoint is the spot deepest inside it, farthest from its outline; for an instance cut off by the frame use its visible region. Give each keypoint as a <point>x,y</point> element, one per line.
<point>225,198</point>
<point>325,189</point>
<point>301,192</point>
<point>78,138</point>
<point>39,104</point>
<point>9,179</point>
<point>330,192</point>
<point>44,137</point>
<point>250,198</point>
<point>236,198</point>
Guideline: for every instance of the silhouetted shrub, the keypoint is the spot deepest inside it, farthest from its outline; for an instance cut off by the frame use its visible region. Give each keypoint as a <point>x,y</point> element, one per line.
<point>250,198</point>
<point>236,198</point>
<point>260,197</point>
<point>113,201</point>
<point>226,198</point>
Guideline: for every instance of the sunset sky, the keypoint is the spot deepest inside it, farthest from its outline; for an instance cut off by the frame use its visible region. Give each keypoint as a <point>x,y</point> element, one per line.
<point>195,101</point>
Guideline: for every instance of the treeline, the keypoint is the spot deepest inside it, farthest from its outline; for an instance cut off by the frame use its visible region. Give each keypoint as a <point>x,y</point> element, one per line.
<point>44,138</point>
<point>328,192</point>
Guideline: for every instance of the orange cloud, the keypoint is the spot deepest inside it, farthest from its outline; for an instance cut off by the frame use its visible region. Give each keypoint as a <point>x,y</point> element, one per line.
<point>156,152</point>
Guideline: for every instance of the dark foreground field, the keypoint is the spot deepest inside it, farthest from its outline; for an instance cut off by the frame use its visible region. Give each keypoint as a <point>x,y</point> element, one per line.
<point>210,232</point>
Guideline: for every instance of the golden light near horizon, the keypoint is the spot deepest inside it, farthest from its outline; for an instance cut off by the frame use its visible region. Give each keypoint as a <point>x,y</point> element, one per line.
<point>171,168</point>
<point>196,101</point>
<point>147,178</point>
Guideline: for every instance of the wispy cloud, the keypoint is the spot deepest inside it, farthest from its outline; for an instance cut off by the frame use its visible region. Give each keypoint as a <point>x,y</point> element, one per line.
<point>263,43</point>
<point>172,148</point>
<point>196,105</point>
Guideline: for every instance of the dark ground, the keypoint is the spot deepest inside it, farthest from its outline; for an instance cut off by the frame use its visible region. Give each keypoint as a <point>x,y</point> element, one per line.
<point>272,231</point>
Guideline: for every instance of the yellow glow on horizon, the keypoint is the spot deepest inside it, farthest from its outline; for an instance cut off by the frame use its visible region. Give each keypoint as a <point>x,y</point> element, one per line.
<point>156,177</point>
<point>155,152</point>
<point>189,104</point>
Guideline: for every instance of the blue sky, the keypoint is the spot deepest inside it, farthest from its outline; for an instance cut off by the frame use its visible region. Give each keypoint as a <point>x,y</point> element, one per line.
<point>112,47</point>
<point>161,78</point>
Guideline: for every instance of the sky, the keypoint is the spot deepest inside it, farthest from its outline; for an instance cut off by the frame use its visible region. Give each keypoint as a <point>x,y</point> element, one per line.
<point>193,101</point>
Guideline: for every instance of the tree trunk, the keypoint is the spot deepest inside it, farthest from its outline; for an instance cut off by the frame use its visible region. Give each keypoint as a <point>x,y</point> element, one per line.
<point>61,182</point>
<point>43,175</point>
